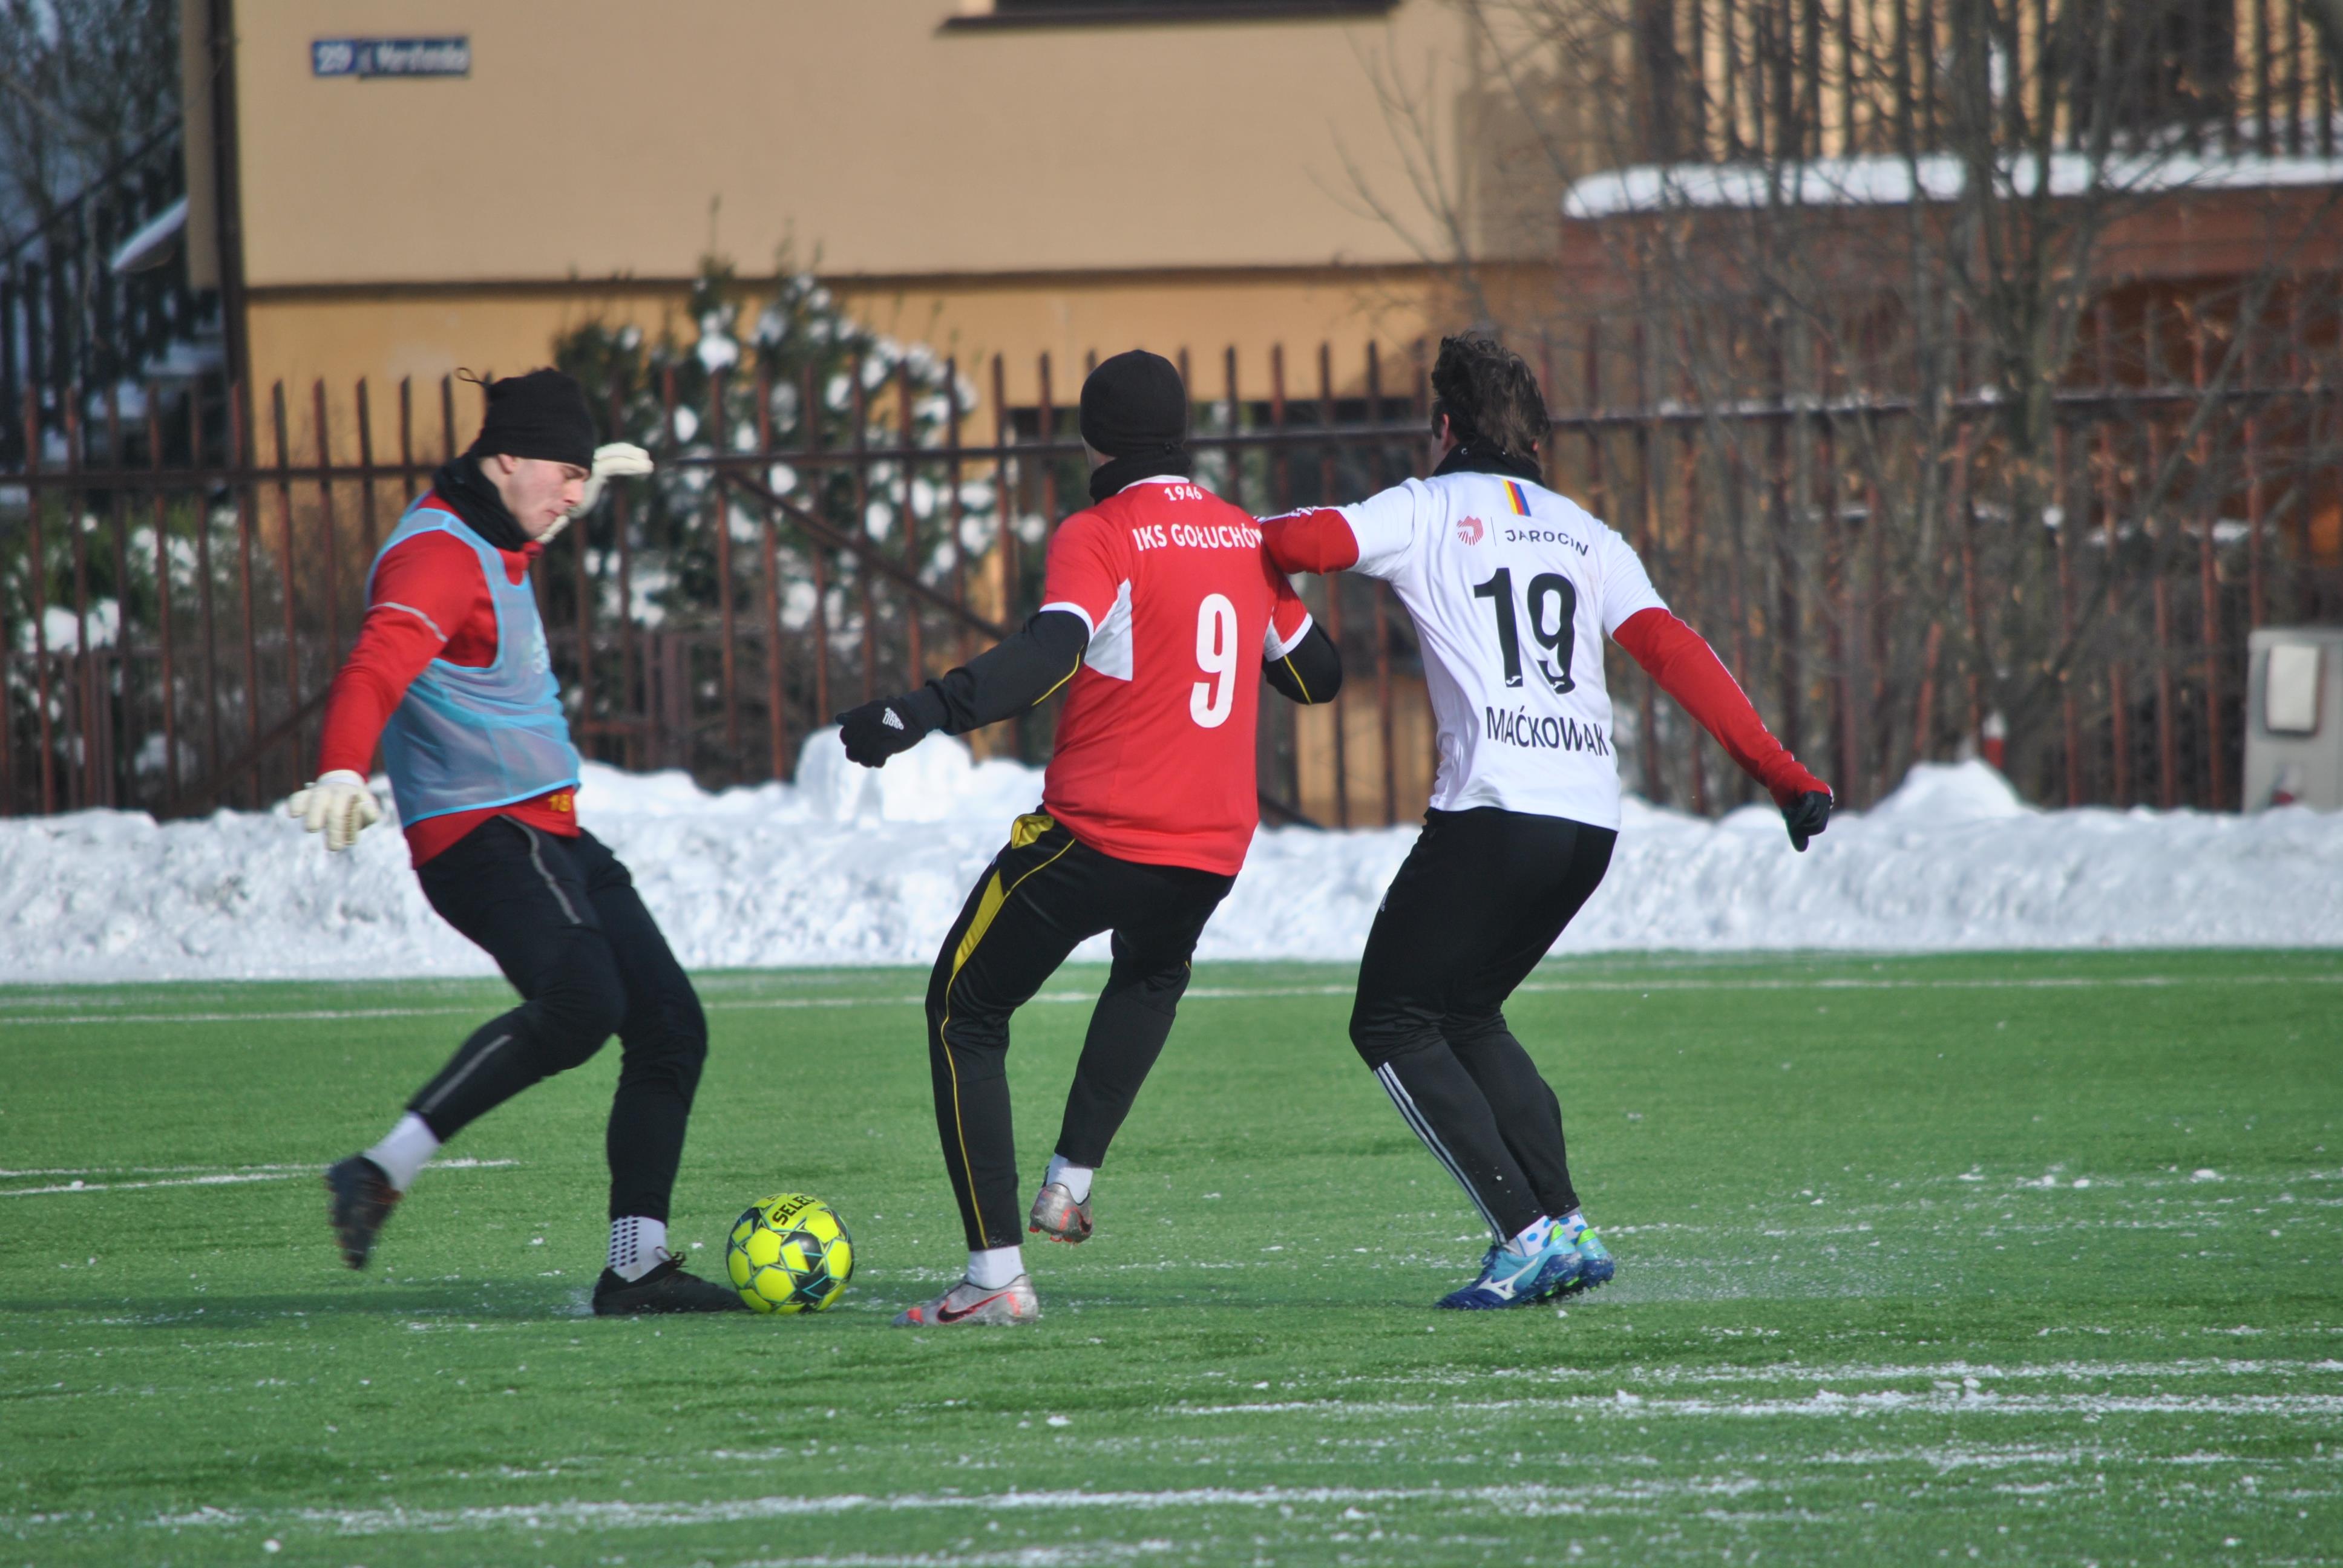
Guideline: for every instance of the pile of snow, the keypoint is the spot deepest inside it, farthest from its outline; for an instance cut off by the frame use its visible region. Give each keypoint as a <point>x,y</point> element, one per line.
<point>850,867</point>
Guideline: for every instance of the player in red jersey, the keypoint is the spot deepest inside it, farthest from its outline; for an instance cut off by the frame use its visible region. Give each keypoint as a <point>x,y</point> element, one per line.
<point>1157,599</point>
<point>450,675</point>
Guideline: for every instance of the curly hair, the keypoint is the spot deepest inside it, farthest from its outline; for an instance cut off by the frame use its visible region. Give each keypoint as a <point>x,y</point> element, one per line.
<point>1489,395</point>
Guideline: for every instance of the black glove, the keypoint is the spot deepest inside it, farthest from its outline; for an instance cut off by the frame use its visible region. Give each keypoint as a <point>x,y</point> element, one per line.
<point>877,730</point>
<point>1806,816</point>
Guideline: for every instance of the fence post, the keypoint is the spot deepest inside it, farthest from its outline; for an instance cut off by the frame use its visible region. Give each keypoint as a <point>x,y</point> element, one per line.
<point>720,516</point>
<point>290,570</point>
<point>953,505</point>
<point>8,683</point>
<point>367,532</point>
<point>809,418</point>
<point>1786,565</point>
<point>658,693</point>
<point>1332,580</point>
<point>858,404</point>
<point>1282,497</point>
<point>1377,593</point>
<point>1924,722</point>
<point>206,606</point>
<point>163,603</point>
<point>1843,641</point>
<point>37,568</point>
<point>1696,757</point>
<point>776,716</point>
<point>1004,509</point>
<point>2159,583</point>
<point>582,612</point>
<point>330,545</point>
<point>2110,513</point>
<point>81,720</point>
<point>1235,497</point>
<point>246,527</point>
<point>917,671</point>
<point>2070,720</point>
<point>122,729</point>
<point>2209,588</point>
<point>1647,705</point>
<point>2256,604</point>
<point>1963,521</point>
<point>621,528</point>
<point>406,469</point>
<point>1049,461</point>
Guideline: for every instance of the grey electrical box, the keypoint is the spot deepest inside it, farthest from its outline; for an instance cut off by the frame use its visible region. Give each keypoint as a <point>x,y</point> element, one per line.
<point>2294,717</point>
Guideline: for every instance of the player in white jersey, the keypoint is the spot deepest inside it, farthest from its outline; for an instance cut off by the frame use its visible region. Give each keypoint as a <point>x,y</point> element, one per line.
<point>1512,588</point>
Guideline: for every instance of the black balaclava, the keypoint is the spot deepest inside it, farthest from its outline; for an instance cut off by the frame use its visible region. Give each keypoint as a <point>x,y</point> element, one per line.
<point>543,413</point>
<point>1135,411</point>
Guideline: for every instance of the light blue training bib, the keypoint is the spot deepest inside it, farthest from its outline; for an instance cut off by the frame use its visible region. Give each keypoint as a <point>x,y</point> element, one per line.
<point>465,738</point>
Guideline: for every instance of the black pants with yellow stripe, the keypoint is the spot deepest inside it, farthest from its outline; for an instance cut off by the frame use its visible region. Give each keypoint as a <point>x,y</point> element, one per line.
<point>1044,895</point>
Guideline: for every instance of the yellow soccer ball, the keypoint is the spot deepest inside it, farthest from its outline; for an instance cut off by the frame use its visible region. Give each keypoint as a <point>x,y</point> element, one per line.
<point>790,1253</point>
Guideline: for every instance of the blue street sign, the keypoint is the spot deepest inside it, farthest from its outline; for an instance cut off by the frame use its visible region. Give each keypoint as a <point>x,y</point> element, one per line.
<point>390,57</point>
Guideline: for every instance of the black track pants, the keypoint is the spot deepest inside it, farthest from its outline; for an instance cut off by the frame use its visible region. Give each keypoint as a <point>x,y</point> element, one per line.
<point>563,920</point>
<point>1044,895</point>
<point>1477,903</point>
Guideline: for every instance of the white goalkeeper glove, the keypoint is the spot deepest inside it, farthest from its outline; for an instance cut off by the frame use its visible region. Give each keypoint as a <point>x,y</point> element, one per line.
<point>620,459</point>
<point>338,805</point>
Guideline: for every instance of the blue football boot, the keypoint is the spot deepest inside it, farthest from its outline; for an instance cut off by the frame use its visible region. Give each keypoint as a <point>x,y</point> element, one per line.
<point>1515,1277</point>
<point>1596,1264</point>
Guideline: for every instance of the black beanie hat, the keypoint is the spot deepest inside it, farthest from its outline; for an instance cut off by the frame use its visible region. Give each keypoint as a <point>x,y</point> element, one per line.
<point>543,413</point>
<point>1133,406</point>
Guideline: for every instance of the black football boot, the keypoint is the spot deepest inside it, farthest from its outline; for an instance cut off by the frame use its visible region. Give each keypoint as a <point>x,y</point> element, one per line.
<point>359,1198</point>
<point>666,1289</point>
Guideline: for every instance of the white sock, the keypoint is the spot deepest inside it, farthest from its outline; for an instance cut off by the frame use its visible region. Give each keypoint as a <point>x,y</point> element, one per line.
<point>994,1269</point>
<point>1075,1178</point>
<point>1532,1235</point>
<point>1573,1225</point>
<point>403,1152</point>
<point>637,1246</point>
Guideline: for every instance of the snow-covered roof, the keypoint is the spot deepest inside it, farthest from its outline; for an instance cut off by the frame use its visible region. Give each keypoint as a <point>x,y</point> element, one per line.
<point>1880,180</point>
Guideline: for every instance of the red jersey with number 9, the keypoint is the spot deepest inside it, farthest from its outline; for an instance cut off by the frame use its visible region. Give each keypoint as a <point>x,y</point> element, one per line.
<point>1154,760</point>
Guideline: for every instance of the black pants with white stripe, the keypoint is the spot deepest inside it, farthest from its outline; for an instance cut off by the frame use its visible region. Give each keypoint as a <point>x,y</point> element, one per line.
<point>562,920</point>
<point>1045,894</point>
<point>1477,903</point>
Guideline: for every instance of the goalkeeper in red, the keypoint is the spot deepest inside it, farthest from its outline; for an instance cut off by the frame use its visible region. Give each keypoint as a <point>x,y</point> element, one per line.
<point>1158,608</point>
<point>1512,588</point>
<point>450,675</point>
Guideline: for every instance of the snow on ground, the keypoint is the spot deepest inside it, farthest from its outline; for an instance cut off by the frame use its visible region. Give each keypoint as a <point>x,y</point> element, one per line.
<point>848,866</point>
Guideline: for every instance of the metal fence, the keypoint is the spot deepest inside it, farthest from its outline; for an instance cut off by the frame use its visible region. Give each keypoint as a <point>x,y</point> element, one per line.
<point>97,296</point>
<point>171,616</point>
<point>169,626</point>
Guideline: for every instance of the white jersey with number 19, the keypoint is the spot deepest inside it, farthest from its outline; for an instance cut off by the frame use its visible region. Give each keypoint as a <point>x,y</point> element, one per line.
<point>1512,589</point>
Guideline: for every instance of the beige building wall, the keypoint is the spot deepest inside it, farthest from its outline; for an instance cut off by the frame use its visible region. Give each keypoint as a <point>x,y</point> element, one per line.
<point>988,191</point>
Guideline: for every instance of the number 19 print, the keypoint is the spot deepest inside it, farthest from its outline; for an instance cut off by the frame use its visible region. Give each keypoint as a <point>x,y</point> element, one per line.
<point>1551,594</point>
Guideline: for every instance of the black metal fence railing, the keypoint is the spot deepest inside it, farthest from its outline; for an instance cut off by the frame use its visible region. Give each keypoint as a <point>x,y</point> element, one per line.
<point>170,619</point>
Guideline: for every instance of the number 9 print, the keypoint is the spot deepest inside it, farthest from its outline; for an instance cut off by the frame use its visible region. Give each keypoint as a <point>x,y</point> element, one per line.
<point>1210,702</point>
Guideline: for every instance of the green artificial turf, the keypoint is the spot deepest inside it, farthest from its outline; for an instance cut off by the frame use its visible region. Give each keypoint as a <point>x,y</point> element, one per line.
<point>1973,1258</point>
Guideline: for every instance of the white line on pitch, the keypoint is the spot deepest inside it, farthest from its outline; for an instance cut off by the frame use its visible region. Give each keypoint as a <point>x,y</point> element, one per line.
<point>1231,993</point>
<point>221,1179</point>
<point>575,1514</point>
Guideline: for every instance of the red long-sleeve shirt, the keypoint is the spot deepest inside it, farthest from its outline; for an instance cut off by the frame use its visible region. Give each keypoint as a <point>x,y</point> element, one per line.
<point>1673,655</point>
<point>428,601</point>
